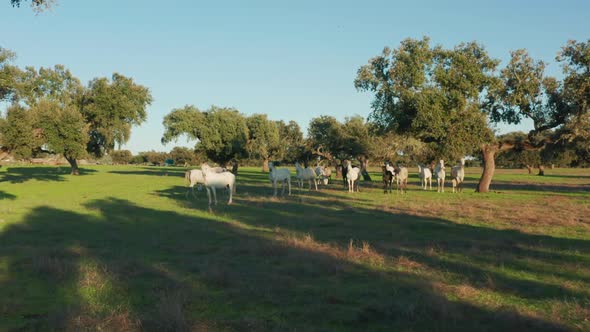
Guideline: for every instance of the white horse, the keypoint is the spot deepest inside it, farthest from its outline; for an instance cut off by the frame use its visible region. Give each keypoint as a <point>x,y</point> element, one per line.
<point>213,180</point>
<point>305,174</point>
<point>279,175</point>
<point>425,176</point>
<point>193,177</point>
<point>458,175</point>
<point>352,176</point>
<point>439,170</point>
<point>401,178</point>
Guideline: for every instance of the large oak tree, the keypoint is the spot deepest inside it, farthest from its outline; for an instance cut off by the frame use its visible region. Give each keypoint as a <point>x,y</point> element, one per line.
<point>444,97</point>
<point>432,93</point>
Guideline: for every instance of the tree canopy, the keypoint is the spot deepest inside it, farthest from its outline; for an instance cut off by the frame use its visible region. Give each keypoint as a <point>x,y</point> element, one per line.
<point>444,97</point>
<point>222,133</point>
<point>432,93</point>
<point>51,109</point>
<point>112,108</point>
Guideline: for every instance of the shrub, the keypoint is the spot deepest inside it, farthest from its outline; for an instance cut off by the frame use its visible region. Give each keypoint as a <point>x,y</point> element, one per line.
<point>121,156</point>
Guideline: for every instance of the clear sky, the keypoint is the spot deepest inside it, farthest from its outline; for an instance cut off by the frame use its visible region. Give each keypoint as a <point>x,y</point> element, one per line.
<point>293,60</point>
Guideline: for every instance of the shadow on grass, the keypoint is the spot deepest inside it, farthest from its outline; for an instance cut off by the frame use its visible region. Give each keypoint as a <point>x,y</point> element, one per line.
<point>154,170</point>
<point>5,195</point>
<point>23,174</point>
<point>129,267</point>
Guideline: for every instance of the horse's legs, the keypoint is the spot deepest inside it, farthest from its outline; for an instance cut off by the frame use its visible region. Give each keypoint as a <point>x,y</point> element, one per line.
<point>289,183</point>
<point>208,194</point>
<point>214,195</point>
<point>231,193</point>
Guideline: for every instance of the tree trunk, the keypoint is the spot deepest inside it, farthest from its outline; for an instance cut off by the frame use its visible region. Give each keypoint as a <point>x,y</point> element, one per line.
<point>234,168</point>
<point>74,165</point>
<point>530,169</point>
<point>541,170</point>
<point>338,171</point>
<point>489,166</point>
<point>265,165</point>
<point>364,165</point>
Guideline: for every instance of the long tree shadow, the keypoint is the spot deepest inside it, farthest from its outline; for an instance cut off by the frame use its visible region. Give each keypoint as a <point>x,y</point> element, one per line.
<point>155,171</point>
<point>477,255</point>
<point>47,173</point>
<point>124,266</point>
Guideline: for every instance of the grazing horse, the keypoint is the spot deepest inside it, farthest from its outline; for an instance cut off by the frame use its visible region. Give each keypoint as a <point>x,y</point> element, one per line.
<point>387,179</point>
<point>439,170</point>
<point>279,175</point>
<point>213,180</point>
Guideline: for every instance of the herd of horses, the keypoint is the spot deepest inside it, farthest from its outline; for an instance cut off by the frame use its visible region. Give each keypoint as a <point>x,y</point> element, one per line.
<point>213,178</point>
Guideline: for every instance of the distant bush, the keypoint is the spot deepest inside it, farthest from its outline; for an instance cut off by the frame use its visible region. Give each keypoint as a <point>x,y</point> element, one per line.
<point>155,158</point>
<point>138,159</point>
<point>121,156</point>
<point>182,155</point>
<point>105,160</point>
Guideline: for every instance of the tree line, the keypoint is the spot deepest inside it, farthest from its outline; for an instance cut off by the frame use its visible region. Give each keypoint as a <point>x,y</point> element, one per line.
<point>429,103</point>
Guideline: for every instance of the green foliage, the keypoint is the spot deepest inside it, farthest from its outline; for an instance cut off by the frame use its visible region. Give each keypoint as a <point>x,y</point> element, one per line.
<point>8,73</point>
<point>56,83</point>
<point>155,157</point>
<point>112,108</point>
<point>350,139</point>
<point>63,128</point>
<point>222,132</point>
<point>263,139</point>
<point>432,93</point>
<point>17,132</point>
<point>182,155</point>
<point>121,156</point>
<point>52,110</point>
<point>139,159</point>
<point>392,147</point>
<point>291,141</point>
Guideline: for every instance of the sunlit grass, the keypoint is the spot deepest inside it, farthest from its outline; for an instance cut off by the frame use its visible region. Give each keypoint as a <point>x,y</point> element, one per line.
<point>120,248</point>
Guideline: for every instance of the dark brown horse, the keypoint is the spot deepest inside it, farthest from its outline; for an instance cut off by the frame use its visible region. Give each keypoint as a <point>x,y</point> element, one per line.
<point>387,179</point>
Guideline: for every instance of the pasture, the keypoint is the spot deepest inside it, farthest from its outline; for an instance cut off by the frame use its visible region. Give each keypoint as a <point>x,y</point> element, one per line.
<point>120,248</point>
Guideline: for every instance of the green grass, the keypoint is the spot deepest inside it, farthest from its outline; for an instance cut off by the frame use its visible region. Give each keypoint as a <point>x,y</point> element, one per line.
<point>120,248</point>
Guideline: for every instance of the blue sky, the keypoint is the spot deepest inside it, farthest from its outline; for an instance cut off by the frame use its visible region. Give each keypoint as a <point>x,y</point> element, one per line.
<point>293,60</point>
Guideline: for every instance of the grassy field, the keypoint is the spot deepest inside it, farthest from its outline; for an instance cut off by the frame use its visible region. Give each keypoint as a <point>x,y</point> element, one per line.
<point>120,248</point>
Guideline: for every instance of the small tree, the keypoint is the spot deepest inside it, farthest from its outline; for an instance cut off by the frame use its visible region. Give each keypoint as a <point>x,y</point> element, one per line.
<point>112,107</point>
<point>121,156</point>
<point>184,156</point>
<point>155,157</point>
<point>222,133</point>
<point>351,139</point>
<point>291,141</point>
<point>263,139</point>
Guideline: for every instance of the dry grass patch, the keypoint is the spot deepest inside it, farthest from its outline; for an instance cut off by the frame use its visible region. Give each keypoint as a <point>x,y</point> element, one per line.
<point>362,253</point>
